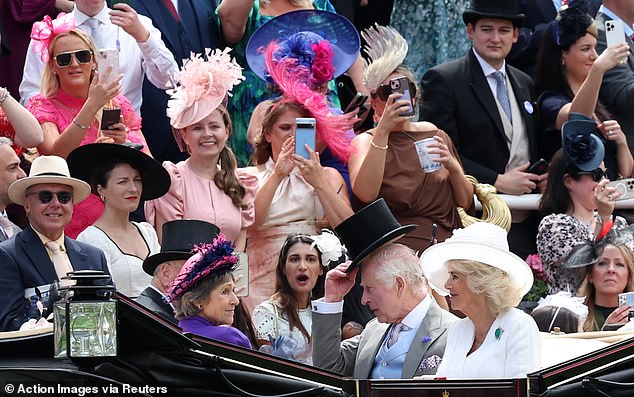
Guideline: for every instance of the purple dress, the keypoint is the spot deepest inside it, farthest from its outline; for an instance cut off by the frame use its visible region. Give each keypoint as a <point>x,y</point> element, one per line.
<point>203,327</point>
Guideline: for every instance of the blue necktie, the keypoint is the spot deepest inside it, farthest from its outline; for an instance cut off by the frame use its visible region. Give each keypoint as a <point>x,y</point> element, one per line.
<point>502,94</point>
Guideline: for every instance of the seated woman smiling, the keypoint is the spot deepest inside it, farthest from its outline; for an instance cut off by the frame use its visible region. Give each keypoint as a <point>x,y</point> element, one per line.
<point>203,293</point>
<point>485,281</point>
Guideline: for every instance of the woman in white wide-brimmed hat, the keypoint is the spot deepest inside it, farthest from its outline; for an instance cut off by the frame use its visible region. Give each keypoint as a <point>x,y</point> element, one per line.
<point>485,281</point>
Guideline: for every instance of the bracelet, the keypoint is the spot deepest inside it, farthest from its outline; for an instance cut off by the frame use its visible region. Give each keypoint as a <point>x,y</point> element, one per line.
<point>4,96</point>
<point>83,127</point>
<point>374,145</point>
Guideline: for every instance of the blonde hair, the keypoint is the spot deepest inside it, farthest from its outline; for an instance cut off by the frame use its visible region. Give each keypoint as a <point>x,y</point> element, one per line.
<point>588,290</point>
<point>494,283</point>
<point>50,81</point>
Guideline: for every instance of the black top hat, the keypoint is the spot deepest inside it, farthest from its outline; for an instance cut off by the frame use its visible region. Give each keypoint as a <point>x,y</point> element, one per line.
<point>179,237</point>
<point>496,9</point>
<point>83,160</point>
<point>368,229</point>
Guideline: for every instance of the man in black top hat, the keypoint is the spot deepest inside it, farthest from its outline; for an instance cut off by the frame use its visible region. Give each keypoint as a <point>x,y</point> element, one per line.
<point>408,336</point>
<point>485,106</point>
<point>179,238</point>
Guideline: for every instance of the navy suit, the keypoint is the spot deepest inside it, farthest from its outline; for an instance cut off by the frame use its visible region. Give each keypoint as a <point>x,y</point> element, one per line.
<point>198,29</point>
<point>153,300</point>
<point>24,263</point>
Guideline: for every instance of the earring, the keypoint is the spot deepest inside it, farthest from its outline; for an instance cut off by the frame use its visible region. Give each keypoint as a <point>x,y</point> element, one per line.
<point>102,198</point>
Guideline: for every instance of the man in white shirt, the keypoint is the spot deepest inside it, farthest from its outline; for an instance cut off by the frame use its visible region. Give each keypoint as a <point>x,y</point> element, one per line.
<point>139,43</point>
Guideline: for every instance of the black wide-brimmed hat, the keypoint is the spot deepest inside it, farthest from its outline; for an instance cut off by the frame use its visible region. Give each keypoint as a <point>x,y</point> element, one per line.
<point>179,238</point>
<point>496,9</point>
<point>368,229</point>
<point>83,160</point>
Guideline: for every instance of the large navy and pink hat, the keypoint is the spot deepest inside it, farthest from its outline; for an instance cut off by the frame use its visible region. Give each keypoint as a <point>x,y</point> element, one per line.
<point>296,32</point>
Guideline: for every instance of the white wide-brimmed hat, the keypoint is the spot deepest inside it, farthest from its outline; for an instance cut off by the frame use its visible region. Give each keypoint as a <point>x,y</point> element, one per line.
<point>482,242</point>
<point>48,169</point>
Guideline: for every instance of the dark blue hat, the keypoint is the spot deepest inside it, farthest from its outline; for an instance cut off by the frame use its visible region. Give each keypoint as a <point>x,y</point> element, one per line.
<point>581,146</point>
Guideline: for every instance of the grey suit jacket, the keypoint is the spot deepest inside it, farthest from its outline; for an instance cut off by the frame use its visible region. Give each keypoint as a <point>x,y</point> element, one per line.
<point>617,89</point>
<point>355,356</point>
<point>153,300</point>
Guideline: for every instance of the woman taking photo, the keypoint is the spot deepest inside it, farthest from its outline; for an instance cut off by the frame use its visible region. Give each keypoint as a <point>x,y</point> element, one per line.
<point>70,105</point>
<point>609,271</point>
<point>203,296</point>
<point>384,161</point>
<point>207,186</point>
<point>485,281</point>
<point>283,322</point>
<point>575,203</point>
<point>121,177</point>
<point>568,78</point>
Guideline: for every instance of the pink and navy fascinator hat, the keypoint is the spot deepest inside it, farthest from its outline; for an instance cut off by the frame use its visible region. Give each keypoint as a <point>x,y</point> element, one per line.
<point>44,32</point>
<point>324,42</point>
<point>211,259</point>
<point>204,83</point>
<point>292,81</point>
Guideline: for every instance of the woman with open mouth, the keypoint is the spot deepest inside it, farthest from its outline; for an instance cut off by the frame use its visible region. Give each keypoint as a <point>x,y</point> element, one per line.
<point>283,322</point>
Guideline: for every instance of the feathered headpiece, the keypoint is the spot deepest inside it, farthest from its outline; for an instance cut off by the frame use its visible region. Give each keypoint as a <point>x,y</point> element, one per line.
<point>572,23</point>
<point>292,80</point>
<point>204,82</point>
<point>386,49</point>
<point>210,259</point>
<point>329,245</point>
<point>44,31</point>
<point>588,253</point>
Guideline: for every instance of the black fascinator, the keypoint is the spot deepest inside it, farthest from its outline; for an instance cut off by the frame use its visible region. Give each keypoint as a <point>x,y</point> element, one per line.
<point>581,146</point>
<point>572,23</point>
<point>588,253</point>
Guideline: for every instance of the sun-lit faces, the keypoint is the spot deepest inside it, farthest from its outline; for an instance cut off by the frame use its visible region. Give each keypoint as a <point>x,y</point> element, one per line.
<point>10,172</point>
<point>578,59</point>
<point>48,218</point>
<point>302,268</point>
<point>74,79</point>
<point>219,308</point>
<point>492,39</point>
<point>282,129</point>
<point>123,189</point>
<point>610,273</point>
<point>207,137</point>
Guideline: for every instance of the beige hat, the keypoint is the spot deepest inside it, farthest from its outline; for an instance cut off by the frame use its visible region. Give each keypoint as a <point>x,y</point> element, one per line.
<point>48,169</point>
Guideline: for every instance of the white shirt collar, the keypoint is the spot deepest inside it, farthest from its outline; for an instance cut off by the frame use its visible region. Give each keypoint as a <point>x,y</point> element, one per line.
<point>486,68</point>
<point>103,15</point>
<point>416,316</point>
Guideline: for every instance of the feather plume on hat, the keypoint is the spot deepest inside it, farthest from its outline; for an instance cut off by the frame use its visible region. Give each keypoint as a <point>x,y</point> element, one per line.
<point>386,50</point>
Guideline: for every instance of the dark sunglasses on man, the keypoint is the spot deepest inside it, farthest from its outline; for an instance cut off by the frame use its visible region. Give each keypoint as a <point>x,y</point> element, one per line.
<point>64,59</point>
<point>46,196</point>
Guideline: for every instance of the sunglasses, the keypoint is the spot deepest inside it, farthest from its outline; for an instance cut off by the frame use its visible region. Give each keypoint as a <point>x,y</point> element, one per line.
<point>596,175</point>
<point>384,91</point>
<point>64,59</point>
<point>46,196</point>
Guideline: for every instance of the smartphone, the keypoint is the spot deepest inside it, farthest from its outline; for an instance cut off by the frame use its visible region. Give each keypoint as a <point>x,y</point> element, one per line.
<point>304,135</point>
<point>108,64</point>
<point>242,270</point>
<point>538,168</point>
<point>133,145</point>
<point>110,117</point>
<point>624,186</point>
<point>356,103</point>
<point>614,33</point>
<point>119,1</point>
<point>401,85</point>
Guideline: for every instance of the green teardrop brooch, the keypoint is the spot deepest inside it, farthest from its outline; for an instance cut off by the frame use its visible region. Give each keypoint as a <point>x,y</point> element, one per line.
<point>498,333</point>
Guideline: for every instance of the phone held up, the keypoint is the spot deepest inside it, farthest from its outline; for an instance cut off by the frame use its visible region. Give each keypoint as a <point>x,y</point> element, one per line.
<point>304,135</point>
<point>624,186</point>
<point>109,117</point>
<point>614,32</point>
<point>401,85</point>
<point>108,64</point>
<point>356,103</point>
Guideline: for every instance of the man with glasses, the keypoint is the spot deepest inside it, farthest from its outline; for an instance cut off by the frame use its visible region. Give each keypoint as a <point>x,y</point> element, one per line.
<point>41,255</point>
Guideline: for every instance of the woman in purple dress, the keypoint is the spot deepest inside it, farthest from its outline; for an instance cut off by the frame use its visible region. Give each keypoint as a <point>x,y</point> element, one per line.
<point>203,293</point>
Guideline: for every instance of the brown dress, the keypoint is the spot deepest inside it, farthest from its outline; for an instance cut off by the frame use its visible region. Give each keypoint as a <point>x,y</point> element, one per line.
<point>416,197</point>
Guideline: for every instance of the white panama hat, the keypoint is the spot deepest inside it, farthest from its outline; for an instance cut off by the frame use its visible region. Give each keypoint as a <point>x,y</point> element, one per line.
<point>48,169</point>
<point>482,242</point>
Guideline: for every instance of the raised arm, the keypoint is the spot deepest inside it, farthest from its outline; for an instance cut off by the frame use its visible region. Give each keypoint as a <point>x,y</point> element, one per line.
<point>234,15</point>
<point>28,132</point>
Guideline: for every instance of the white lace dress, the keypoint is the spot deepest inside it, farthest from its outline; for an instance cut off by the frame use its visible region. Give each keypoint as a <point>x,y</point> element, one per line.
<point>270,325</point>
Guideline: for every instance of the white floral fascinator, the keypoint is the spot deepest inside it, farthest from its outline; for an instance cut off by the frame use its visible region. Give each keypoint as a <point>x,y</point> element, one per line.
<point>386,50</point>
<point>204,82</point>
<point>329,246</point>
<point>566,300</point>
